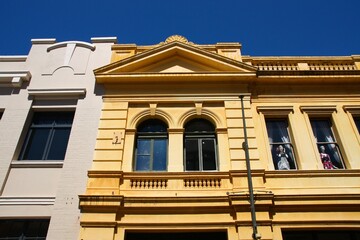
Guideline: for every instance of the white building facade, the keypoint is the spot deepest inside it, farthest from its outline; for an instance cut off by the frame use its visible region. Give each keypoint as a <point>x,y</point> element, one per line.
<point>49,112</point>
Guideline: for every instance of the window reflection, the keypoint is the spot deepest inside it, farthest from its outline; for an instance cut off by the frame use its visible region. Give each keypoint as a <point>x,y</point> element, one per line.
<point>280,144</point>
<point>151,146</point>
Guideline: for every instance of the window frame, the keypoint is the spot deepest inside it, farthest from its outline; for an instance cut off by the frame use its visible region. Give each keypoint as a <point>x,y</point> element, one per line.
<point>200,137</point>
<point>25,225</point>
<point>334,136</point>
<point>290,142</point>
<point>152,136</point>
<point>278,112</point>
<point>31,126</point>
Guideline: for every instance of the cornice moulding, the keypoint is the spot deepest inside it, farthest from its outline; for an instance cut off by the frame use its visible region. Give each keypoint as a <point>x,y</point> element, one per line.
<point>14,58</point>
<point>43,41</point>
<point>27,201</point>
<point>104,39</point>
<point>14,78</point>
<point>275,109</point>
<point>169,77</point>
<point>72,93</point>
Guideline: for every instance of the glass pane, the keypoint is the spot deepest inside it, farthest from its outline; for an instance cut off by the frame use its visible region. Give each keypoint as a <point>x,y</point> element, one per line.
<point>283,156</point>
<point>46,118</point>
<point>143,157</point>
<point>208,154</point>
<point>330,156</point>
<point>36,144</point>
<point>277,131</point>
<point>42,232</point>
<point>152,125</point>
<point>32,229</point>
<point>143,163</point>
<point>160,155</point>
<point>199,125</point>
<point>10,228</point>
<point>298,235</point>
<point>328,149</point>
<point>143,146</point>
<point>357,122</point>
<point>43,118</point>
<point>322,130</point>
<point>333,235</point>
<point>192,155</point>
<point>58,145</point>
<point>17,228</point>
<point>64,118</point>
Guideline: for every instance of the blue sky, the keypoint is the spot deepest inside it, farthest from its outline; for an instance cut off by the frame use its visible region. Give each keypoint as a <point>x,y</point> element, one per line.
<point>263,27</point>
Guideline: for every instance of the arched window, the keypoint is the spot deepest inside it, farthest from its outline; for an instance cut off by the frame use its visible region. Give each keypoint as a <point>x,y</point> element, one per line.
<point>151,146</point>
<point>200,146</point>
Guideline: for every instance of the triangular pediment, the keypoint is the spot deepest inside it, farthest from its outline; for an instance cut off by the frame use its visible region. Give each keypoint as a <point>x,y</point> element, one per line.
<point>172,58</point>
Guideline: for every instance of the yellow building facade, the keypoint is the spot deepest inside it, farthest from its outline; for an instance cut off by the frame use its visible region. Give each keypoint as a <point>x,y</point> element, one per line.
<point>172,147</point>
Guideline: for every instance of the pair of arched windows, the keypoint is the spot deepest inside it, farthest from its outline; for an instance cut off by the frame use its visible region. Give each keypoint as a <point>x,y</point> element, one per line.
<point>151,150</point>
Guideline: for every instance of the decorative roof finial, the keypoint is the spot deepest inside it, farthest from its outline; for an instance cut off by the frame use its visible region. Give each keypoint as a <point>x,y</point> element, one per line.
<point>178,38</point>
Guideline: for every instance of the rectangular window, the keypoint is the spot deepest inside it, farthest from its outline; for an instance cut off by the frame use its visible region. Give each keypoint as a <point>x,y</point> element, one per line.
<point>24,229</point>
<point>209,235</point>
<point>321,235</point>
<point>328,147</point>
<point>48,136</point>
<point>280,144</point>
<point>151,154</point>
<point>357,123</point>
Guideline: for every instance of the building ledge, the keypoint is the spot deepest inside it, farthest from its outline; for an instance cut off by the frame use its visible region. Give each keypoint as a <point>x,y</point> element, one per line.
<point>14,78</point>
<point>70,93</point>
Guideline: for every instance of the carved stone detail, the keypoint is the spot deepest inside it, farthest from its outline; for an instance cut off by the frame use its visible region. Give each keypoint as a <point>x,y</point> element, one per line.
<point>177,38</point>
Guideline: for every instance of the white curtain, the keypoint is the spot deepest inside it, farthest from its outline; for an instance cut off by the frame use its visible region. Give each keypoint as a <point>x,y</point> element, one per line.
<point>324,136</point>
<point>278,135</point>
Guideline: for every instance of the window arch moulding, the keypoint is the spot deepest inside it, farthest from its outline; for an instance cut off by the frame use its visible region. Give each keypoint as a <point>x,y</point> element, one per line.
<point>205,113</point>
<point>147,114</point>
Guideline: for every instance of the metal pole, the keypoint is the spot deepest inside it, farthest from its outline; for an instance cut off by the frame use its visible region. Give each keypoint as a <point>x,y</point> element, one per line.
<point>255,235</point>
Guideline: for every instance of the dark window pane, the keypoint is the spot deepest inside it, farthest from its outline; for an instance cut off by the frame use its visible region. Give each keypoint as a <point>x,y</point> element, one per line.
<point>36,144</point>
<point>32,229</point>
<point>159,163</point>
<point>58,144</point>
<point>144,147</point>
<point>192,155</point>
<point>16,229</point>
<point>200,144</point>
<point>208,235</point>
<point>357,123</point>
<point>23,229</point>
<point>64,118</point>
<point>48,136</point>
<point>322,130</point>
<point>152,125</point>
<point>277,131</point>
<point>199,125</point>
<point>321,235</point>
<point>208,154</point>
<point>151,152</point>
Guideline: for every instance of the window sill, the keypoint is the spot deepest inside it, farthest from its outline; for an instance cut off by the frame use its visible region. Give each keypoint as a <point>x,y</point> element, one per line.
<point>36,164</point>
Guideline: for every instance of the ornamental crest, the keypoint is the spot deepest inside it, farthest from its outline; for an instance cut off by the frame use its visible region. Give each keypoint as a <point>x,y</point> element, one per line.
<point>177,38</point>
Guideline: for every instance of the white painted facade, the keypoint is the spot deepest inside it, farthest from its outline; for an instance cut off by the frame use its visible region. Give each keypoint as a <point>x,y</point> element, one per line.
<point>53,75</point>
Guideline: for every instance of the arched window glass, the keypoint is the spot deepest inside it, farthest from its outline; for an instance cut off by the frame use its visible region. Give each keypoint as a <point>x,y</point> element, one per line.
<point>200,146</point>
<point>151,146</point>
